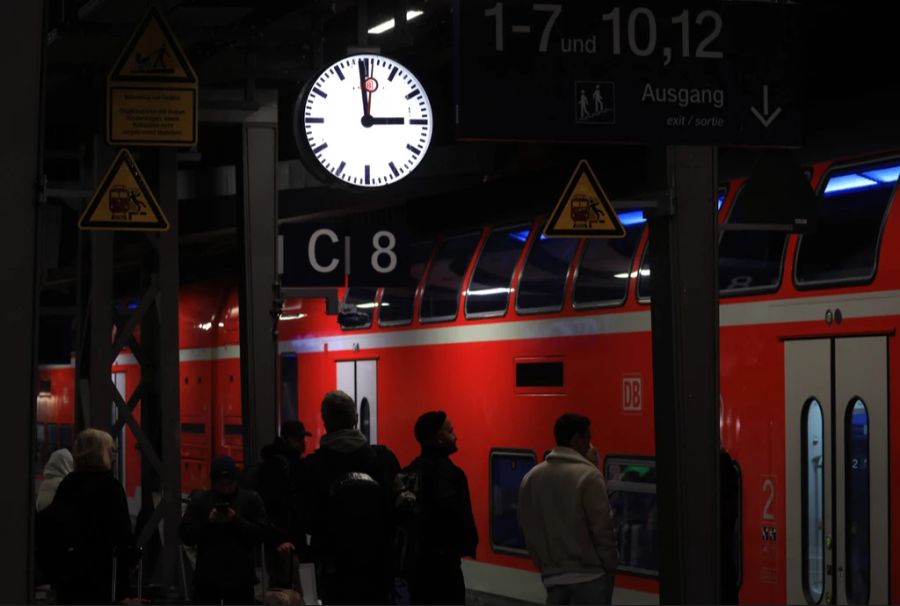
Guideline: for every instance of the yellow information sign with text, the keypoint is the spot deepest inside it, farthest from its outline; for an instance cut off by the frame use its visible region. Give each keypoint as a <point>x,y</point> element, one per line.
<point>152,90</point>
<point>584,210</point>
<point>123,201</point>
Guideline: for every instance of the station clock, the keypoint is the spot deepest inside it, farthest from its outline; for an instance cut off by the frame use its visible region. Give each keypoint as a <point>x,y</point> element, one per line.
<point>364,121</point>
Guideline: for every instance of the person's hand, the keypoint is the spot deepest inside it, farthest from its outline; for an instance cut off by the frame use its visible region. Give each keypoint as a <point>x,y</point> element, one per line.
<point>285,548</point>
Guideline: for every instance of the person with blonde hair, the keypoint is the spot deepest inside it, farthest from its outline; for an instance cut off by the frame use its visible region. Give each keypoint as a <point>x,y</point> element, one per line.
<point>89,524</point>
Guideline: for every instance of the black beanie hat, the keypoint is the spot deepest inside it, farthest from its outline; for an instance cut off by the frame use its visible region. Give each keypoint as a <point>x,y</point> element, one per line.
<point>429,424</point>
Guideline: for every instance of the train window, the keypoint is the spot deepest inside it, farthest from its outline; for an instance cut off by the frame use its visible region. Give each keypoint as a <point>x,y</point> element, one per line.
<point>643,277</point>
<point>631,484</point>
<point>52,436</point>
<point>851,214</point>
<point>602,275</point>
<point>193,428</point>
<point>65,436</point>
<point>441,296</point>
<point>813,494</point>
<point>749,261</point>
<point>856,495</point>
<point>508,467</point>
<point>543,282</point>
<point>539,374</point>
<point>488,293</point>
<point>397,301</point>
<point>360,302</point>
<point>41,451</point>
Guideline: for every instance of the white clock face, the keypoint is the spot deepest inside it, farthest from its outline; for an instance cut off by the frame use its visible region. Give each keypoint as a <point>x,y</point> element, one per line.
<point>366,119</point>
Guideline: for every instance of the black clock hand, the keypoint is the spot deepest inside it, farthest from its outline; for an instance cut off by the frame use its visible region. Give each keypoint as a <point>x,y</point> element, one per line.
<point>368,121</point>
<point>362,86</point>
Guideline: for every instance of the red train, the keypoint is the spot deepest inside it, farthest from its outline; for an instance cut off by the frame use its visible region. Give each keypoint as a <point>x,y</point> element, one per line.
<point>507,329</point>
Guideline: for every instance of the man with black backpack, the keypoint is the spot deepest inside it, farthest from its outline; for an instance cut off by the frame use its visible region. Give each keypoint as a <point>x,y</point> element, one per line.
<point>351,521</point>
<point>437,527</point>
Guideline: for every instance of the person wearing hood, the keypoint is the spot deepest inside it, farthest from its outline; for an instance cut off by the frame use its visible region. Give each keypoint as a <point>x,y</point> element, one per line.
<point>565,517</point>
<point>447,526</point>
<point>58,467</point>
<point>351,517</point>
<point>227,524</point>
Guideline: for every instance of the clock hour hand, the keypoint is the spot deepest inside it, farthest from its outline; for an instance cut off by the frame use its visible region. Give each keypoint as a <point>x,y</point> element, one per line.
<point>368,121</point>
<point>363,75</point>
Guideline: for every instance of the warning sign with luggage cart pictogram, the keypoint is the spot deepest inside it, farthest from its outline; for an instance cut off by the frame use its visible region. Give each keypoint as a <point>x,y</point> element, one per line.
<point>123,201</point>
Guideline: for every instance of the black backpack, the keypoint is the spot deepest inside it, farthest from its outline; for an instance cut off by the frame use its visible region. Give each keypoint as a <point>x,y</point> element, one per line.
<point>354,509</point>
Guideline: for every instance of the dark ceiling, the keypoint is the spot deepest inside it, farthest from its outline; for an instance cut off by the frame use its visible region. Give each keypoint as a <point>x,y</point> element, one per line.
<point>253,45</point>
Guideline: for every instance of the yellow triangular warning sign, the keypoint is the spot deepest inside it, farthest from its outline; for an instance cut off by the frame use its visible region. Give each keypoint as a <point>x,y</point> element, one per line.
<point>123,201</point>
<point>584,210</point>
<point>153,55</point>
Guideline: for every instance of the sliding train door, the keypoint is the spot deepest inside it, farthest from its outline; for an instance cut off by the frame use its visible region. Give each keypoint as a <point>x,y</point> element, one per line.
<point>359,379</point>
<point>836,489</point>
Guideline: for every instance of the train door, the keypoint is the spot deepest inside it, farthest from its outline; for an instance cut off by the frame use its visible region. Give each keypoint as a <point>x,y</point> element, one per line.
<point>836,489</point>
<point>119,464</point>
<point>358,378</point>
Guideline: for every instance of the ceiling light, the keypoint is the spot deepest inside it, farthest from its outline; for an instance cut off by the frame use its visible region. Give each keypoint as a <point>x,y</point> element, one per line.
<point>389,24</point>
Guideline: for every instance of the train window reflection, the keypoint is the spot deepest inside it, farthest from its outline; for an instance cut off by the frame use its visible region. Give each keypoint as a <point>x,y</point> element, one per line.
<point>813,491</point>
<point>851,214</point>
<point>441,296</point>
<point>856,495</point>
<point>488,293</point>
<point>543,283</point>
<point>604,270</point>
<point>397,301</point>
<point>631,484</point>
<point>749,261</point>
<point>508,467</point>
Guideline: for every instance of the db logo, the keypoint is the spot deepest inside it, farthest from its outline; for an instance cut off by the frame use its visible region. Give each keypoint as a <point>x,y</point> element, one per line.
<point>632,399</point>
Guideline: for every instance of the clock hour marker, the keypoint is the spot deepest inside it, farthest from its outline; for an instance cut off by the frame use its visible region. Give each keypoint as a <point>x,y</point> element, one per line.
<point>367,173</point>
<point>394,169</point>
<point>320,148</point>
<point>414,150</point>
<point>340,168</point>
<point>393,73</point>
<point>415,121</point>
<point>337,70</point>
<point>415,92</point>
<point>319,92</point>
<point>317,120</point>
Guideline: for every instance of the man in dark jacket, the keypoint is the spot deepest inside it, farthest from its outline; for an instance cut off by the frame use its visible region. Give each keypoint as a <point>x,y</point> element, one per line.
<point>227,524</point>
<point>281,482</point>
<point>351,524</point>
<point>447,526</point>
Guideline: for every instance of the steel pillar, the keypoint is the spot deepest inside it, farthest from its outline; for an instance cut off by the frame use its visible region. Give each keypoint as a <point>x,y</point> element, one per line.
<point>685,325</point>
<point>258,226</point>
<point>22,43</point>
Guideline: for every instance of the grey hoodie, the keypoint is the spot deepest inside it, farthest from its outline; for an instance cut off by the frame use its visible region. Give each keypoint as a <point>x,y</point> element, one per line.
<point>59,465</point>
<point>343,441</point>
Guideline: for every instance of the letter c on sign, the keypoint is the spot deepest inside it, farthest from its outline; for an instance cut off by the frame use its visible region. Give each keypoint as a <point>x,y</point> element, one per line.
<point>322,269</point>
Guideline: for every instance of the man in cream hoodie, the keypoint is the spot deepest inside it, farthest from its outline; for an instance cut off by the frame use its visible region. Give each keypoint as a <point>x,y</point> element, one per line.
<point>564,513</point>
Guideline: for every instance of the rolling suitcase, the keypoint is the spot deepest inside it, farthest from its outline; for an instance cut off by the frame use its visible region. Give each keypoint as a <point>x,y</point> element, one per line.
<point>140,577</point>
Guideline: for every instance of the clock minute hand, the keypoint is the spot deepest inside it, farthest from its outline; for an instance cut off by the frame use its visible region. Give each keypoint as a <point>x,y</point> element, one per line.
<point>362,87</point>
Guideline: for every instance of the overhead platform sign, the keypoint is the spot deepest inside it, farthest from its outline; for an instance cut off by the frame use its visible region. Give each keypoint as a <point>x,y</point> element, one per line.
<point>123,201</point>
<point>658,72</point>
<point>152,90</point>
<point>584,210</point>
